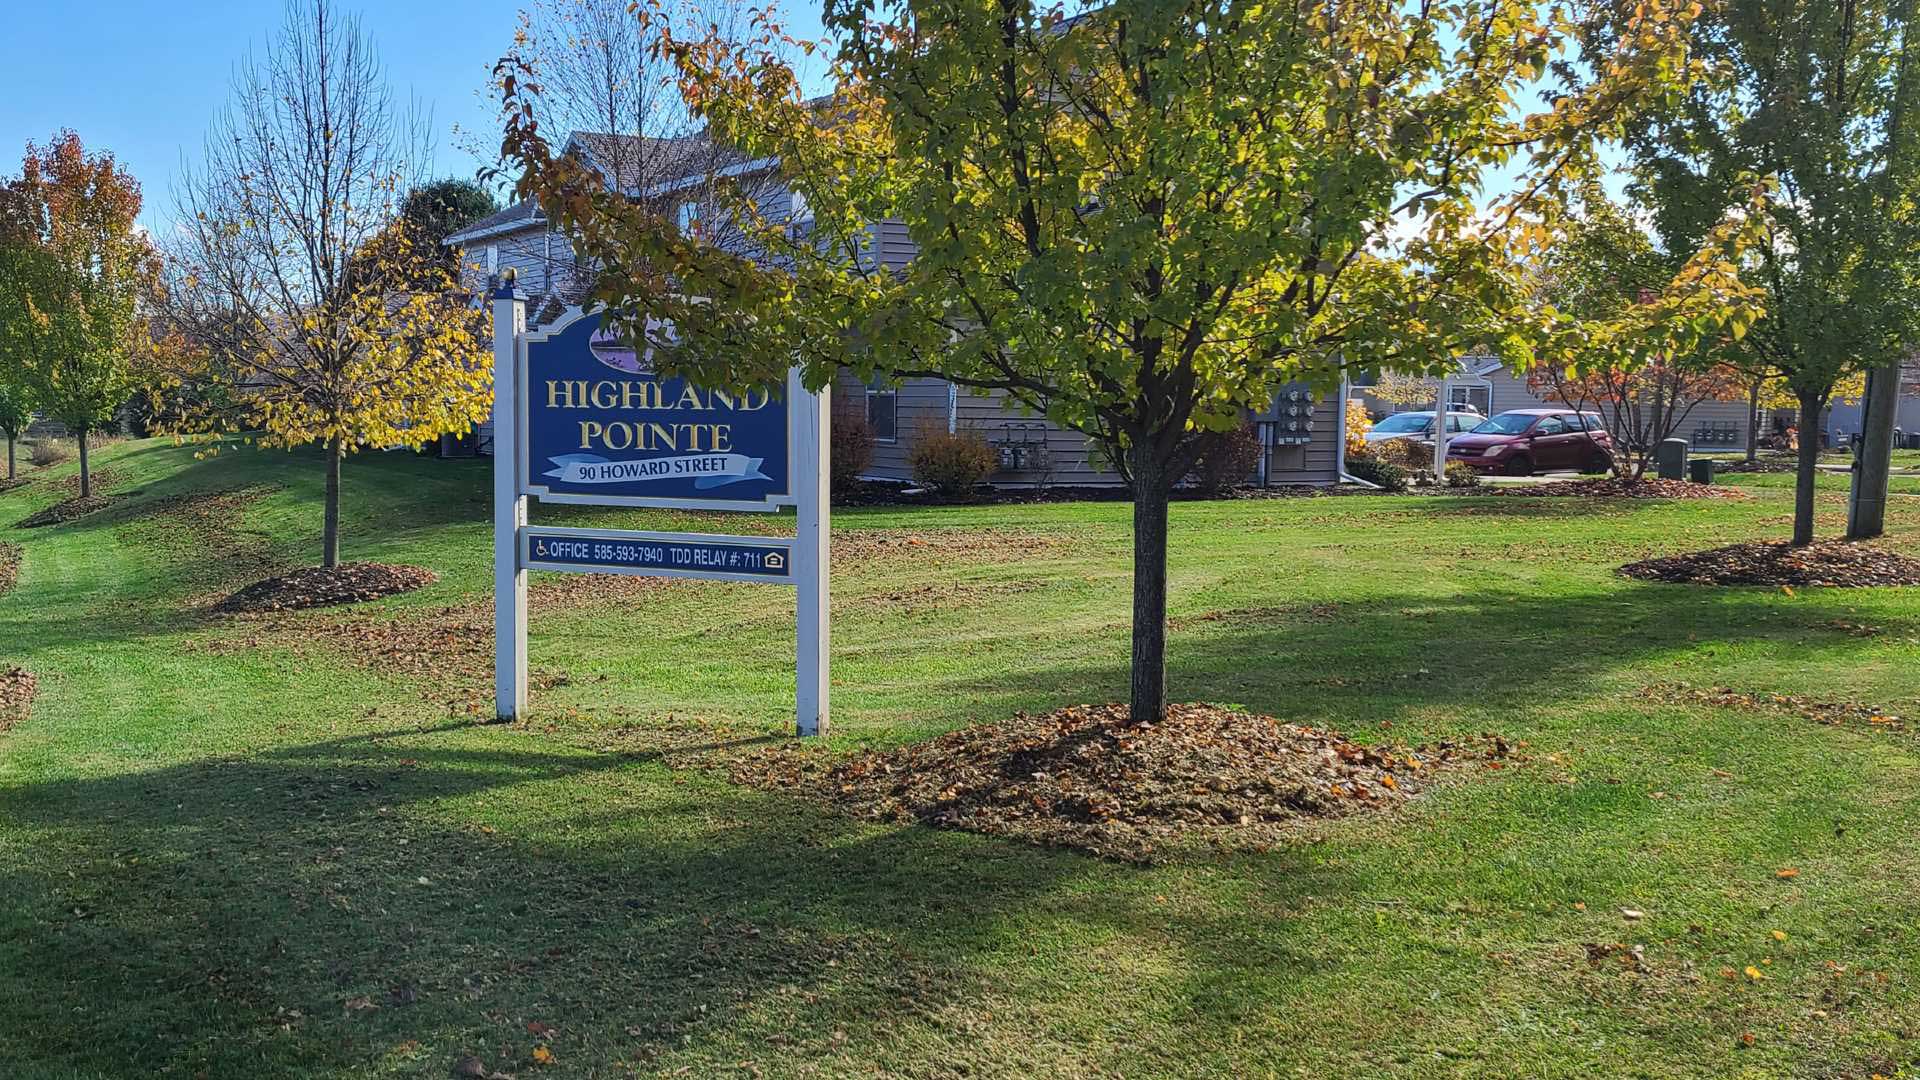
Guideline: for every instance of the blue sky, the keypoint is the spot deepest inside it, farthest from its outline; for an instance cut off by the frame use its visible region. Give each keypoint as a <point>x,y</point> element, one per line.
<point>145,80</point>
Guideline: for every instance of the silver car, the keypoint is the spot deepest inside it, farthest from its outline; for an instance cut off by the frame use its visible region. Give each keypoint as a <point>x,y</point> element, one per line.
<point>1419,425</point>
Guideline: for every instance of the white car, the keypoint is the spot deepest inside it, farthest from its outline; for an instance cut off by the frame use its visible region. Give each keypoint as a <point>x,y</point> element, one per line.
<point>1419,425</point>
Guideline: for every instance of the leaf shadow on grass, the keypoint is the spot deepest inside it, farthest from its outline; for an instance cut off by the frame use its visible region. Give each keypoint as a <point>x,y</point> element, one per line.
<point>1385,656</point>
<point>266,915</point>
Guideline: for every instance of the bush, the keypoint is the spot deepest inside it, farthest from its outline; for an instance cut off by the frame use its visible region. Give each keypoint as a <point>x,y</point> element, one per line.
<point>851,450</point>
<point>1358,424</point>
<point>1227,458</point>
<point>1409,454</point>
<point>49,452</point>
<point>1382,474</point>
<point>952,464</point>
<point>1462,475</point>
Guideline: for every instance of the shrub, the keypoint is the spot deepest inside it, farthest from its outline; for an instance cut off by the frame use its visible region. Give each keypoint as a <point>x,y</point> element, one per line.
<point>1409,454</point>
<point>49,452</point>
<point>1358,424</point>
<point>1383,474</point>
<point>952,464</point>
<point>1462,475</point>
<point>851,450</point>
<point>1227,458</point>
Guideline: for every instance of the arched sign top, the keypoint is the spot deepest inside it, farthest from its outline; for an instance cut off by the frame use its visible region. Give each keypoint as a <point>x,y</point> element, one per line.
<point>598,425</point>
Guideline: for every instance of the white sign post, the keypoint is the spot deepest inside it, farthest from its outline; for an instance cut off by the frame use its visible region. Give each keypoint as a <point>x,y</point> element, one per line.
<point>509,512</point>
<point>580,418</point>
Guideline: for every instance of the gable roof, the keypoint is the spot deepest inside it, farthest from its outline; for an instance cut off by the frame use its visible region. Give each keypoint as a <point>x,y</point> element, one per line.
<point>521,215</point>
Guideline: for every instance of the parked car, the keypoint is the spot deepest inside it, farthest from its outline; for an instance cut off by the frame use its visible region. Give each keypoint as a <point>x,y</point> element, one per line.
<point>1419,425</point>
<point>1521,442</point>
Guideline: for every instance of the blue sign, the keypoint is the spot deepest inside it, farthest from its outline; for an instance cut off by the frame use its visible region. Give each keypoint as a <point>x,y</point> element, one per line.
<point>601,427</point>
<point>663,554</point>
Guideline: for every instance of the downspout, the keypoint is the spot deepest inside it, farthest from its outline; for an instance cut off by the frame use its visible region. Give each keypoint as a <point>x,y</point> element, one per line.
<point>953,407</point>
<point>1340,442</point>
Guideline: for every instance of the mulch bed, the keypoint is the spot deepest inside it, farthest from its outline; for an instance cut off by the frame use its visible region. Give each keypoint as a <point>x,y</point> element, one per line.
<point>1834,563</point>
<point>61,512</point>
<point>1613,488</point>
<point>317,586</point>
<point>17,687</point>
<point>14,485</point>
<point>1084,777</point>
<point>99,478</point>
<point>1832,713</point>
<point>1761,466</point>
<point>9,567</point>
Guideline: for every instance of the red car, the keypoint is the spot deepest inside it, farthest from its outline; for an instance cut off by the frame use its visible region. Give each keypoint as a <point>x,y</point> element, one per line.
<point>1522,442</point>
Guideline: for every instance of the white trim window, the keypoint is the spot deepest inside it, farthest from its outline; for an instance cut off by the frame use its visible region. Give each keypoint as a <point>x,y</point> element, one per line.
<point>883,411</point>
<point>798,211</point>
<point>687,215</point>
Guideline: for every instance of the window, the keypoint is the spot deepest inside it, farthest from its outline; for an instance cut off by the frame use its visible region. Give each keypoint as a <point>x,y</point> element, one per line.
<point>1404,423</point>
<point>1552,425</point>
<point>689,217</point>
<point>798,212</point>
<point>1463,421</point>
<point>882,416</point>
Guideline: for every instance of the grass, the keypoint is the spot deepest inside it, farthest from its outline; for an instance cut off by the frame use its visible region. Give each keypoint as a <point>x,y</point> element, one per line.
<point>227,859</point>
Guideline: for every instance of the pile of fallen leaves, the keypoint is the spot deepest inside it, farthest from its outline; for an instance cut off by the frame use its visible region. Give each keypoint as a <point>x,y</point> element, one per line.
<point>1613,488</point>
<point>62,512</point>
<point>17,686</point>
<point>9,567</point>
<point>15,484</point>
<point>1832,713</point>
<point>1833,562</point>
<point>1086,777</point>
<point>318,586</point>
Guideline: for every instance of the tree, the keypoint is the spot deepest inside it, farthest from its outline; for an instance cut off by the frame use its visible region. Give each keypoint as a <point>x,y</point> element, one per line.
<point>16,412</point>
<point>1605,264</point>
<point>1821,103</point>
<point>1138,221</point>
<point>436,210</point>
<point>74,273</point>
<point>301,302</point>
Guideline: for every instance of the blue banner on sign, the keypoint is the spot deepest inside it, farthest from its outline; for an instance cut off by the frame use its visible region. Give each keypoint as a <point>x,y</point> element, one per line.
<point>602,427</point>
<point>631,553</point>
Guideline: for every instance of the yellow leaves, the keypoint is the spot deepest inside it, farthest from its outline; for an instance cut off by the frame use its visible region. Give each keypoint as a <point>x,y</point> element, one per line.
<point>1787,873</point>
<point>542,1056</point>
<point>1779,935</point>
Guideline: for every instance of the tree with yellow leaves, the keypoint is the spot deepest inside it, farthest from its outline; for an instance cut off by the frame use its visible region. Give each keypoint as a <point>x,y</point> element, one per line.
<point>299,303</point>
<point>1136,217</point>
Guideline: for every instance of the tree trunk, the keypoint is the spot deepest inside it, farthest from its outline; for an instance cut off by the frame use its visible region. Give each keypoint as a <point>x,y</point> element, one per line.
<point>1753,423</point>
<point>330,536</point>
<point>1879,415</point>
<point>11,475</point>
<point>1150,491</point>
<point>1810,406</point>
<point>86,471</point>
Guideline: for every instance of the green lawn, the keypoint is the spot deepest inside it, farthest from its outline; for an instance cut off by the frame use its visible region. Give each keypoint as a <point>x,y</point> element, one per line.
<point>262,850</point>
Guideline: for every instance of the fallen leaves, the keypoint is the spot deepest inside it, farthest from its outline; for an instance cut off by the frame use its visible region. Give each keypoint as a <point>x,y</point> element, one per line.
<point>1833,563</point>
<point>1831,713</point>
<point>1086,777</point>
<point>319,586</point>
<point>17,689</point>
<point>1610,488</point>
<point>62,512</point>
<point>9,567</point>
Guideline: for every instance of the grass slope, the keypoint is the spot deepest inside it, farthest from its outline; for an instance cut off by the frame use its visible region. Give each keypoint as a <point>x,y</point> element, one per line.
<point>227,859</point>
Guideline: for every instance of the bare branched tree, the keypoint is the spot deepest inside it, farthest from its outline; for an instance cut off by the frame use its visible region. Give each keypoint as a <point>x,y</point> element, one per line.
<point>301,305</point>
<point>612,93</point>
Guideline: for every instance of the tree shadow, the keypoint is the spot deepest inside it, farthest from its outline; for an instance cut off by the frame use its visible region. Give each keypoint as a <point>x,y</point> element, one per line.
<point>305,910</point>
